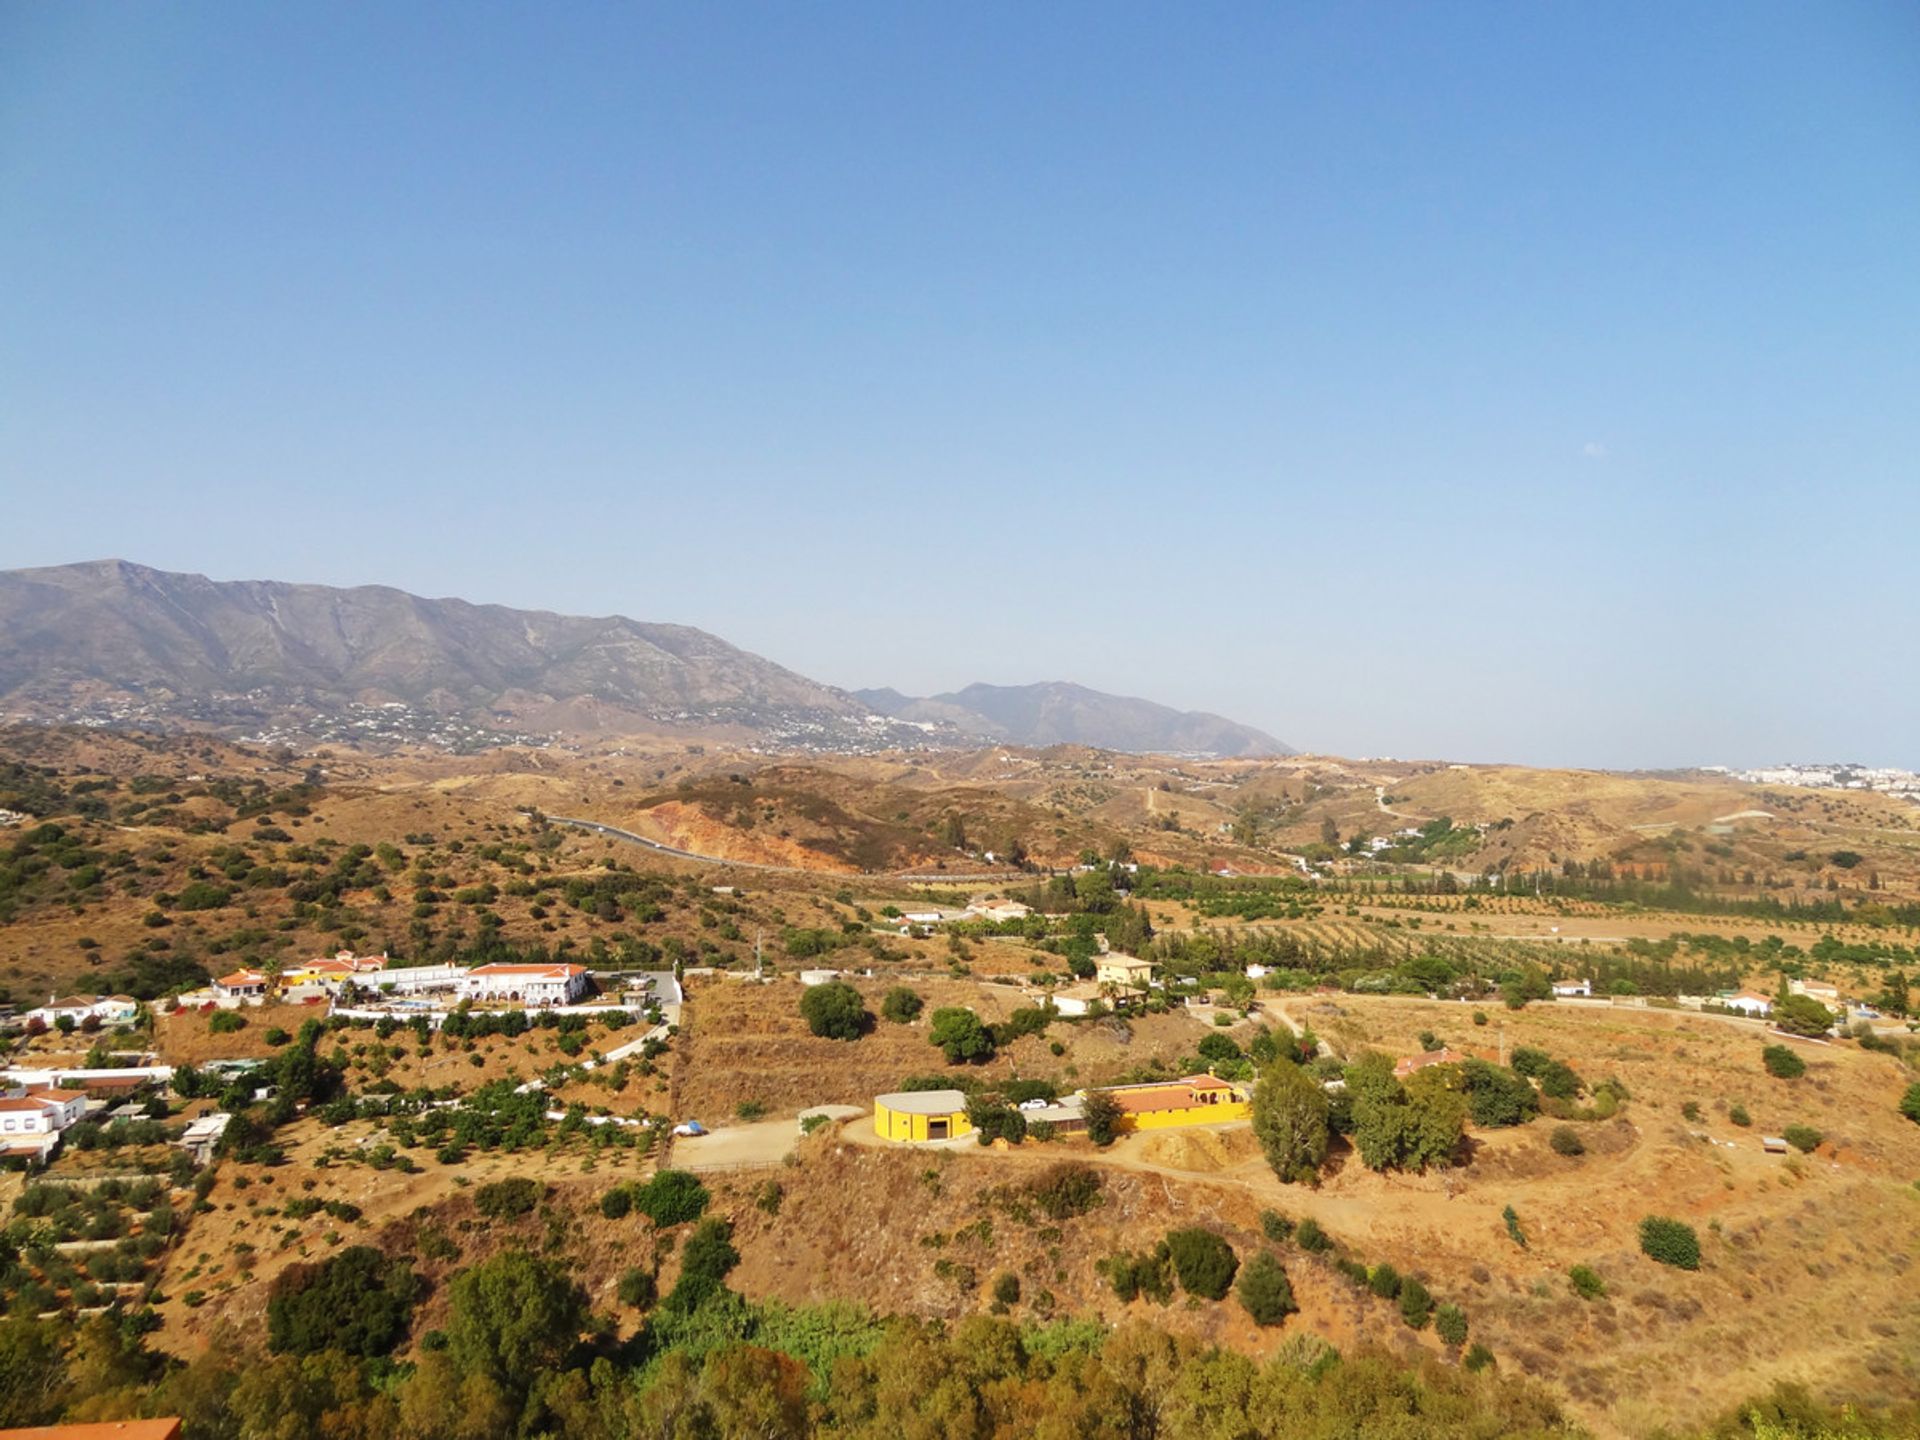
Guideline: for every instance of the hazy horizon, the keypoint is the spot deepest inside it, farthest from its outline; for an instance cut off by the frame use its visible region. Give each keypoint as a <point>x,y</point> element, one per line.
<point>1518,385</point>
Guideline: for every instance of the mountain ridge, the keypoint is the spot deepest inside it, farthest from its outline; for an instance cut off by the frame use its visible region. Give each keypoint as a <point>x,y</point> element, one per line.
<point>113,641</point>
<point>1061,712</point>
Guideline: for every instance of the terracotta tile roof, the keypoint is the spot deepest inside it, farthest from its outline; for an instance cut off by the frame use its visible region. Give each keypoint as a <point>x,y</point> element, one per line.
<point>21,1106</point>
<point>554,972</point>
<point>1182,1094</point>
<point>1411,1063</point>
<point>102,1430</point>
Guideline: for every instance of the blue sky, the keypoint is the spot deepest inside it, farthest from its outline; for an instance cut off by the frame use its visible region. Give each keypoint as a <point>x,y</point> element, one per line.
<point>1525,382</point>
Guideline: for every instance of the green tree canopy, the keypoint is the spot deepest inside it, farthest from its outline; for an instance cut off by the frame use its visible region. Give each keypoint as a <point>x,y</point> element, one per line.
<point>834,1011</point>
<point>960,1035</point>
<point>1204,1262</point>
<point>515,1318</point>
<point>358,1301</point>
<point>1264,1290</point>
<point>902,1006</point>
<point>1290,1120</point>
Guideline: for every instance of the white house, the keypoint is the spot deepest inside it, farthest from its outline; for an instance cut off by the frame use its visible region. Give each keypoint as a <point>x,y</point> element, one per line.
<point>999,910</point>
<point>1748,1002</point>
<point>1564,989</point>
<point>414,979</point>
<point>20,1115</point>
<point>30,1124</point>
<point>818,977</point>
<point>924,917</point>
<point>241,985</point>
<point>108,1009</point>
<point>331,971</point>
<point>1071,1000</point>
<point>65,1106</point>
<point>528,984</point>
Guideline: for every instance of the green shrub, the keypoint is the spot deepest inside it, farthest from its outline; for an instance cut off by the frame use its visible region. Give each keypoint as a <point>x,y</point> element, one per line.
<point>1566,1141</point>
<point>1691,1111</point>
<point>1450,1324</point>
<point>1384,1281</point>
<point>1479,1017</point>
<point>637,1289</point>
<point>1134,1275</point>
<point>1066,1190</point>
<point>616,1203</point>
<point>767,1198</point>
<point>1103,1114</point>
<point>1478,1359</point>
<point>672,1197</point>
<point>1782,1063</point>
<point>1006,1289</point>
<point>1311,1238</point>
<point>1416,1305</point>
<point>995,1120</point>
<point>834,1011</point>
<point>225,1022</point>
<point>358,1302</point>
<point>960,1036</point>
<point>1803,1138</point>
<point>902,1006</point>
<point>1558,1081</point>
<point>1802,1015</point>
<point>1265,1292</point>
<point>1277,1227</point>
<point>1738,1115</point>
<point>1204,1262</point>
<point>1910,1103</point>
<point>1497,1097</point>
<point>507,1199</point>
<point>1586,1282</point>
<point>704,1264</point>
<point>1353,1269</point>
<point>1514,1232</point>
<point>1530,1062</point>
<point>1671,1242</point>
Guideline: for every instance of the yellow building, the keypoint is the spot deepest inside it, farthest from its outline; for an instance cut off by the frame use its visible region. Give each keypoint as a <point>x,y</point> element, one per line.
<point>921,1115</point>
<point>1193,1100</point>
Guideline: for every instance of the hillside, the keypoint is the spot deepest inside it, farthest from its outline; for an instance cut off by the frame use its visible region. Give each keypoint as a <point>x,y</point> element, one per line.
<point>111,642</point>
<point>1060,713</point>
<point>109,639</point>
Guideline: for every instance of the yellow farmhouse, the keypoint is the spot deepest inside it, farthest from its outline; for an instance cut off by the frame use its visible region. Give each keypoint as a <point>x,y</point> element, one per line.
<point>1193,1100</point>
<point>921,1115</point>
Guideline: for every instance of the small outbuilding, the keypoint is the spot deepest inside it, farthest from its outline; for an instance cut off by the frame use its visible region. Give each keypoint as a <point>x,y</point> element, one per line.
<point>917,1115</point>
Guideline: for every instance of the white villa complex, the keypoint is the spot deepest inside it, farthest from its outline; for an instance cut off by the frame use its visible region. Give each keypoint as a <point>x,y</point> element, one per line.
<point>558,984</point>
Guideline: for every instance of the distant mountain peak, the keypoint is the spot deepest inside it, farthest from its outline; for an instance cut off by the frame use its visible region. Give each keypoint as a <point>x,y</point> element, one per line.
<point>1060,712</point>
